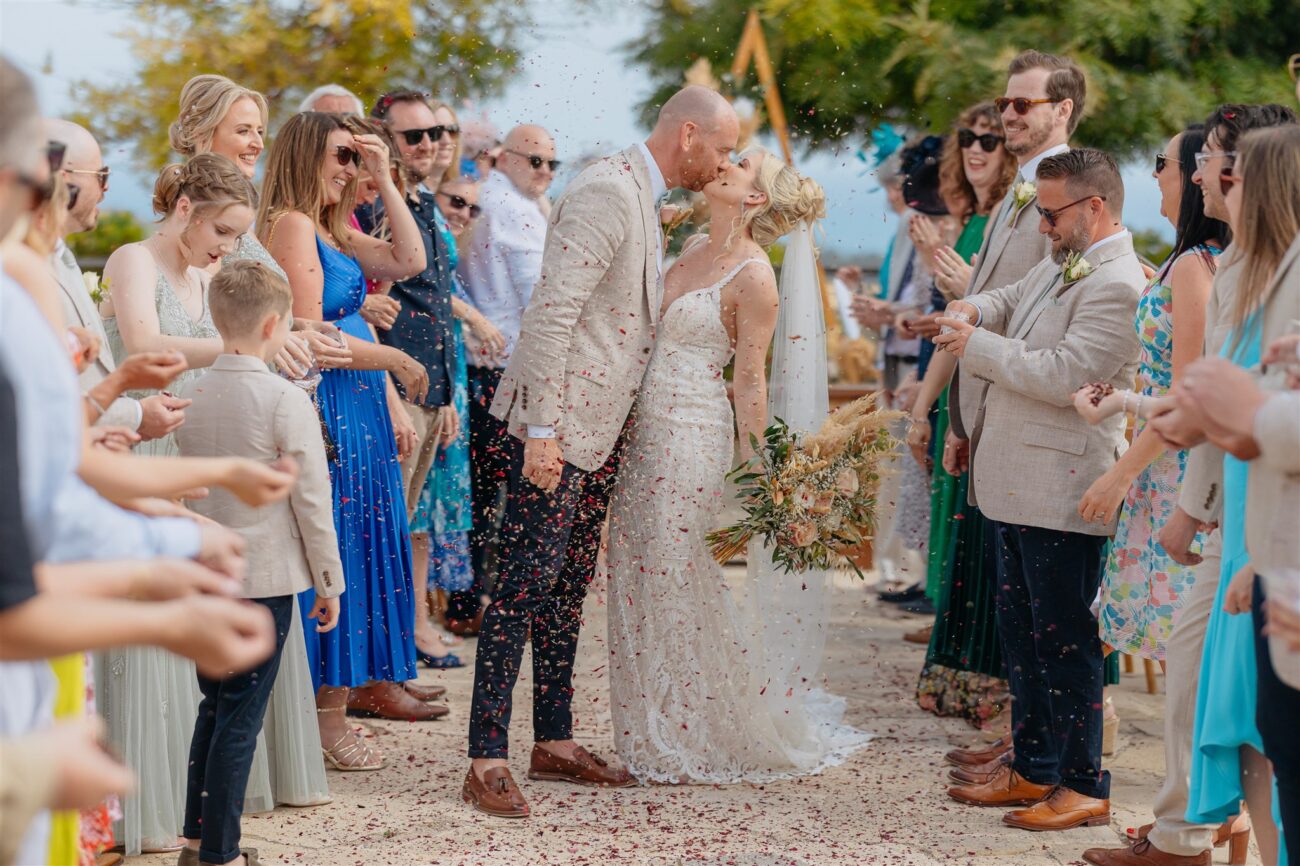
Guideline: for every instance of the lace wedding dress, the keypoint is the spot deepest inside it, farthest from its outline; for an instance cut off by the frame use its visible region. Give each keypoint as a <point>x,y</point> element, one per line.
<point>694,697</point>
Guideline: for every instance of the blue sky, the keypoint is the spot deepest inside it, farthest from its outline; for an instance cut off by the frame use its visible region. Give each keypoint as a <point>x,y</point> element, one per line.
<point>574,79</point>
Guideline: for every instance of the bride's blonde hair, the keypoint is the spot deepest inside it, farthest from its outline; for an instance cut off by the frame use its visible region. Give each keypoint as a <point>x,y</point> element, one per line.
<point>792,198</point>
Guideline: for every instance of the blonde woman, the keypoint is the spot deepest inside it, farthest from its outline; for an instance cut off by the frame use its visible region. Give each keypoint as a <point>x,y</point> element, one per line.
<point>688,670</point>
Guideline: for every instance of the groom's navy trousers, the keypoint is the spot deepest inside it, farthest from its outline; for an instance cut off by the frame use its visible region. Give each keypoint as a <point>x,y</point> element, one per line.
<point>549,546</point>
<point>1047,583</point>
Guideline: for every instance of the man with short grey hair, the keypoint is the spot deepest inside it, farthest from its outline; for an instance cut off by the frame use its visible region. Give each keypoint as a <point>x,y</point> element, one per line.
<point>333,98</point>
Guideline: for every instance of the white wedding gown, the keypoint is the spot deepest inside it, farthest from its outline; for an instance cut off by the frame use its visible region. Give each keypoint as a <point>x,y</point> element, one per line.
<point>694,697</point>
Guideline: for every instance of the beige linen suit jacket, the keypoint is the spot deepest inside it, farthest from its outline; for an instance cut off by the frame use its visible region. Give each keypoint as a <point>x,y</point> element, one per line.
<point>587,334</point>
<point>242,409</point>
<point>1032,455</point>
<point>79,309</point>
<point>1012,246</point>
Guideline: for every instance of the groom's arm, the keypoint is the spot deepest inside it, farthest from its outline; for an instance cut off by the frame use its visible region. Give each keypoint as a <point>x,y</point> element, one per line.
<point>589,225</point>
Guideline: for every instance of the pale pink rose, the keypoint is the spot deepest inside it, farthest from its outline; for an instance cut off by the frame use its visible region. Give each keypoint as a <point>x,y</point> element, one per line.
<point>847,481</point>
<point>803,534</point>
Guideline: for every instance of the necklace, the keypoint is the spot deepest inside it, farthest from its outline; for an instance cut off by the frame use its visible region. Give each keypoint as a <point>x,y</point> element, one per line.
<point>183,283</point>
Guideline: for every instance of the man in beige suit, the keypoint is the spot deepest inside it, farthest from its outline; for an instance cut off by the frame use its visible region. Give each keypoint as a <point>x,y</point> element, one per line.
<point>1032,458</point>
<point>83,166</point>
<point>583,347</point>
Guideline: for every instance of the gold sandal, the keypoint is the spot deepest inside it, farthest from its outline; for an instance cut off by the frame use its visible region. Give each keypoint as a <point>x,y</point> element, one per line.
<point>343,755</point>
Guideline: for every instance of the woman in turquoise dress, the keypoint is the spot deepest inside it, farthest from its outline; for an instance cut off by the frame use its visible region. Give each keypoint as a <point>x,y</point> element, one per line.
<point>314,162</point>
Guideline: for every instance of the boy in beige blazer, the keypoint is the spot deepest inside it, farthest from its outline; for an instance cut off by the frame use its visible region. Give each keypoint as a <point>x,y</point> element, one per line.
<point>240,408</point>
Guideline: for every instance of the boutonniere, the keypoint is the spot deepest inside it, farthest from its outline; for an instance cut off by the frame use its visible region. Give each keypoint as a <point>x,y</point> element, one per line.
<point>671,218</point>
<point>96,289</point>
<point>1076,267</point>
<point>1023,193</point>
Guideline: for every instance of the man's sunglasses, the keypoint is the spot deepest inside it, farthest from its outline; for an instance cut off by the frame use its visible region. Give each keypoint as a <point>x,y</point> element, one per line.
<point>435,133</point>
<point>1019,103</point>
<point>1053,215</point>
<point>346,154</point>
<point>101,174</point>
<point>458,202</point>
<point>988,141</point>
<point>1202,157</point>
<point>537,162</point>
<point>1162,160</point>
<point>41,191</point>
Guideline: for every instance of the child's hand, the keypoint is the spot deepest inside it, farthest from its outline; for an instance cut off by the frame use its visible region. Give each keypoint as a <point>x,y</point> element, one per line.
<point>326,613</point>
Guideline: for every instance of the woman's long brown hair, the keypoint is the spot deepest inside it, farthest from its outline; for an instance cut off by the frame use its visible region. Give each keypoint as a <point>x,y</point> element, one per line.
<point>1269,222</point>
<point>293,178</point>
<point>956,190</point>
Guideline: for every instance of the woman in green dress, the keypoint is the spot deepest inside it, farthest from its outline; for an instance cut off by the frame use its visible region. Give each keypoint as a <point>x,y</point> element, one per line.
<point>963,673</point>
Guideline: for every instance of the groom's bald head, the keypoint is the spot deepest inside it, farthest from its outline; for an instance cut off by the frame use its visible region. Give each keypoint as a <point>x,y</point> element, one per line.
<point>694,137</point>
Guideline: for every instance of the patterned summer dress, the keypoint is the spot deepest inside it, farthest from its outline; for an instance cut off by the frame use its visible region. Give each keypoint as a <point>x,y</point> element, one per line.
<point>1143,589</point>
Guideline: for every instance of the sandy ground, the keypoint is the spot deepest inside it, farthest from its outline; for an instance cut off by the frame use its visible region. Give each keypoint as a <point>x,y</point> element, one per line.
<point>886,805</point>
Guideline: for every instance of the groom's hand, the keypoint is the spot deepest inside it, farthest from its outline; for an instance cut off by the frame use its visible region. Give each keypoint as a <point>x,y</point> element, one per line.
<point>543,463</point>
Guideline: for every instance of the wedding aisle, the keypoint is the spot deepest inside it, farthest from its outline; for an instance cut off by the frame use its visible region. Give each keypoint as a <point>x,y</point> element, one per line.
<point>885,806</point>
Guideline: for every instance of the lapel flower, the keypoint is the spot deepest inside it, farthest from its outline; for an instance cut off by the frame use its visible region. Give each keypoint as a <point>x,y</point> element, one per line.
<point>1022,194</point>
<point>94,287</point>
<point>1076,267</point>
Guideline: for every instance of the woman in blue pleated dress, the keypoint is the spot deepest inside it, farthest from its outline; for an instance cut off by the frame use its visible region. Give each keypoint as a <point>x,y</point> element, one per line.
<point>1228,763</point>
<point>307,198</point>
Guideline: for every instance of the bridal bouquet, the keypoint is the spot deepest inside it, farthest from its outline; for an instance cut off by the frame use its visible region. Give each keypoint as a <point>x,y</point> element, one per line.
<point>810,498</point>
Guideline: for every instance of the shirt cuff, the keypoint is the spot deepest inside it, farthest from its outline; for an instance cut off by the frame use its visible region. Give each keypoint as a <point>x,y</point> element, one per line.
<point>137,413</point>
<point>541,431</point>
<point>177,537</point>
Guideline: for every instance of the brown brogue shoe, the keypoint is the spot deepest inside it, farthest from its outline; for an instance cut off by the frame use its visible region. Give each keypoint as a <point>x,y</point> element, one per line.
<point>1143,853</point>
<point>495,794</point>
<point>424,693</point>
<point>975,757</point>
<point>980,774</point>
<point>584,769</point>
<point>1005,788</point>
<point>391,701</point>
<point>1063,810</point>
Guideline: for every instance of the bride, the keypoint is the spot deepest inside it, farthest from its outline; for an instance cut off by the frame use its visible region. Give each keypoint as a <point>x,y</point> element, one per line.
<point>714,683</point>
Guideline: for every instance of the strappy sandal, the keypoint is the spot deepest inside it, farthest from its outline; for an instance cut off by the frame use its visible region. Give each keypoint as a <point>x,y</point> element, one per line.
<point>351,753</point>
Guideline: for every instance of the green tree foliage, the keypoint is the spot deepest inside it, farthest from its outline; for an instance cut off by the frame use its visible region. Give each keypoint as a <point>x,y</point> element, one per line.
<point>115,228</point>
<point>845,66</point>
<point>287,48</point>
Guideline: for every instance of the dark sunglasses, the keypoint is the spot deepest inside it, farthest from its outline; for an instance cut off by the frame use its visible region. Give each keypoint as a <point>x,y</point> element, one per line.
<point>435,133</point>
<point>1020,103</point>
<point>1053,215</point>
<point>988,141</point>
<point>1226,180</point>
<point>458,202</point>
<point>346,154</point>
<point>54,153</point>
<point>537,162</point>
<point>1162,160</point>
<point>41,191</point>
<point>101,174</point>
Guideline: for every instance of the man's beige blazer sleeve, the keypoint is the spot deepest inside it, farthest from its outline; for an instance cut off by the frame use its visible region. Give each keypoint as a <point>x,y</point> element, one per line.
<point>298,432</point>
<point>27,779</point>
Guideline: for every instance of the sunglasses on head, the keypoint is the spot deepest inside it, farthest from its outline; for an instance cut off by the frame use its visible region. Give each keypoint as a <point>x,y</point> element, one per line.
<point>988,142</point>
<point>1051,216</point>
<point>435,133</point>
<point>459,202</point>
<point>1162,160</point>
<point>537,161</point>
<point>1020,103</point>
<point>346,154</point>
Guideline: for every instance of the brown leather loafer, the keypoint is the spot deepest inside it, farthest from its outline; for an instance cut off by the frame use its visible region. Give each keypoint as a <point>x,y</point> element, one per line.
<point>584,769</point>
<point>1143,853</point>
<point>1005,788</point>
<point>495,794</point>
<point>980,774</point>
<point>390,701</point>
<point>975,757</point>
<point>1063,810</point>
<point>424,693</point>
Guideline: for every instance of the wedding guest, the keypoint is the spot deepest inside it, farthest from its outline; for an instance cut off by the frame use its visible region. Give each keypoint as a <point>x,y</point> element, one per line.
<point>481,147</point>
<point>964,673</point>
<point>252,308</point>
<point>304,222</point>
<point>1033,458</point>
<point>428,140</point>
<point>333,99</point>
<point>501,267</point>
<point>1175,833</point>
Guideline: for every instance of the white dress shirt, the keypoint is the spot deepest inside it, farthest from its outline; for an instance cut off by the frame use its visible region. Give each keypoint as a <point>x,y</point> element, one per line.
<point>66,520</point>
<point>503,260</point>
<point>1029,168</point>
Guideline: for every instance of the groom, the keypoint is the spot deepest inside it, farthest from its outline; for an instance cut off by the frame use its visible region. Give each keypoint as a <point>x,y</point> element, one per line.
<point>583,348</point>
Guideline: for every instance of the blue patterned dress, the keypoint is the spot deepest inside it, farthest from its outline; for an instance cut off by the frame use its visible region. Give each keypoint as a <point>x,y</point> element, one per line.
<point>1143,589</point>
<point>375,637</point>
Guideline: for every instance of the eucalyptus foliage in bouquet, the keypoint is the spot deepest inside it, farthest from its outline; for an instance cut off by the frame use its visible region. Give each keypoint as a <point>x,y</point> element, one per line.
<point>810,498</point>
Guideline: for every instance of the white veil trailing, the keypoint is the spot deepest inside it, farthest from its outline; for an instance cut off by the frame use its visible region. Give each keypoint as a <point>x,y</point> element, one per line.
<point>792,609</point>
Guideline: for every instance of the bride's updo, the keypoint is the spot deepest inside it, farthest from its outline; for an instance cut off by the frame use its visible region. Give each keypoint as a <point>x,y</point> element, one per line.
<point>792,198</point>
